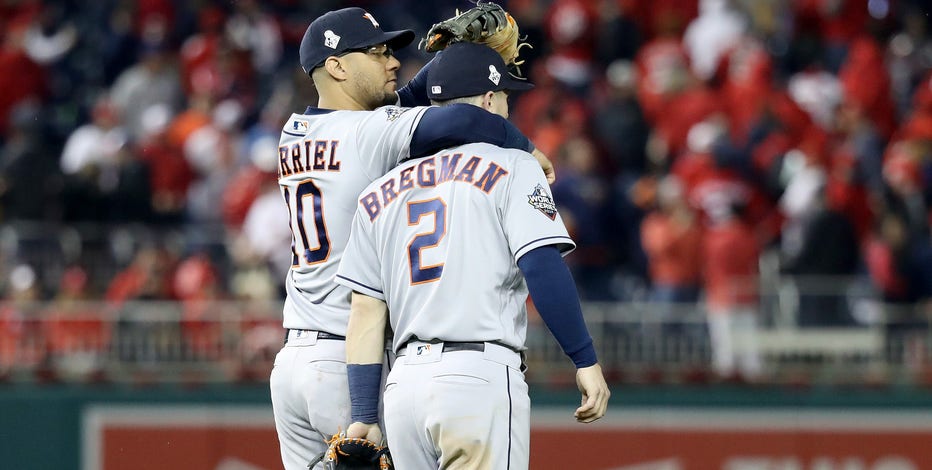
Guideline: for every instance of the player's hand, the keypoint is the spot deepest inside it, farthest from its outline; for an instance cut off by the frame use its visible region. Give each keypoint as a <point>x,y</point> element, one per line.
<point>546,165</point>
<point>365,431</point>
<point>594,391</point>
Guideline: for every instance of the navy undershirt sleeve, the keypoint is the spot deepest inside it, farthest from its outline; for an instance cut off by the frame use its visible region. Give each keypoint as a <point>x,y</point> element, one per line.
<point>460,123</point>
<point>554,293</point>
<point>415,92</point>
<point>364,385</point>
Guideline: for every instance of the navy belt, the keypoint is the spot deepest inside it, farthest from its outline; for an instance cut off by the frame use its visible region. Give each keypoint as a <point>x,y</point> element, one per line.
<point>451,346</point>
<point>320,335</point>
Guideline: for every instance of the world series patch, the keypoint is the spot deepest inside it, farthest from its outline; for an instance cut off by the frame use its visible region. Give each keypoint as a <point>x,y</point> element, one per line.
<point>394,111</point>
<point>540,200</point>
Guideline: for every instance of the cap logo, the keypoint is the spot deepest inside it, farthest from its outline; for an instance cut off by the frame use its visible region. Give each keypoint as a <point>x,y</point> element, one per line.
<point>494,76</point>
<point>331,39</point>
<point>375,24</point>
<point>435,89</point>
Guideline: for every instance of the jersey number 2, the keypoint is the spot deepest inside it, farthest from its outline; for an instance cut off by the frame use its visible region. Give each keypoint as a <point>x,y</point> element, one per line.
<point>417,209</point>
<point>312,254</point>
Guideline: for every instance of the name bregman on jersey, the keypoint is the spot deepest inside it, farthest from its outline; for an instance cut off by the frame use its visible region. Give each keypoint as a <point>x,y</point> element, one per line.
<point>426,174</point>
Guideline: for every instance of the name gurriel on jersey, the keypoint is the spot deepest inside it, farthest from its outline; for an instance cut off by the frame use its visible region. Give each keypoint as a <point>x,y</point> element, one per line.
<point>309,155</point>
<point>426,175</point>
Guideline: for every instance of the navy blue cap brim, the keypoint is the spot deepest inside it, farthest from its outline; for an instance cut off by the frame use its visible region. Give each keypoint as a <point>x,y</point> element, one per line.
<point>517,84</point>
<point>395,39</point>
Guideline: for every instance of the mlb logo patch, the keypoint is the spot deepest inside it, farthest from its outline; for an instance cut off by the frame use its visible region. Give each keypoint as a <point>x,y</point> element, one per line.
<point>435,89</point>
<point>422,350</point>
<point>300,126</point>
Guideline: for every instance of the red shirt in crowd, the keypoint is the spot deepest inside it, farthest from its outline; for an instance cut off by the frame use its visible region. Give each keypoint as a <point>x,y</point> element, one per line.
<point>673,249</point>
<point>731,253</point>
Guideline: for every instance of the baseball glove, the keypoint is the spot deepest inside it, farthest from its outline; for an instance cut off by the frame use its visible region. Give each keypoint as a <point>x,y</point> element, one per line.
<point>347,453</point>
<point>486,23</point>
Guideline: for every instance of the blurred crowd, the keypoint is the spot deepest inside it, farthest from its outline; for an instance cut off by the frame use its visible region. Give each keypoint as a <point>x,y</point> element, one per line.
<point>691,138</point>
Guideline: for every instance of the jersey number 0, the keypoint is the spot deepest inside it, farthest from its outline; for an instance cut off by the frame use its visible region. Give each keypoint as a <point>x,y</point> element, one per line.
<point>321,249</point>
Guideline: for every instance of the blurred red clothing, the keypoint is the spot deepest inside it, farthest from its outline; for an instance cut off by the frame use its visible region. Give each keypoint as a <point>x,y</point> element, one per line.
<point>658,17</point>
<point>571,29</point>
<point>154,19</point>
<point>241,191</point>
<point>673,249</point>
<point>170,174</point>
<point>680,112</point>
<point>147,276</point>
<point>714,190</point>
<point>200,49</point>
<point>837,21</point>
<point>197,285</point>
<point>866,84</point>
<point>731,252</point>
<point>881,264</point>
<point>22,79</point>
<point>747,86</point>
<point>663,70</point>
<point>75,328</point>
<point>846,194</point>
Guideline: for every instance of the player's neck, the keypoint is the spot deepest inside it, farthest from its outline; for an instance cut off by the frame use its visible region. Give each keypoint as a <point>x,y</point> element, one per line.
<point>342,101</point>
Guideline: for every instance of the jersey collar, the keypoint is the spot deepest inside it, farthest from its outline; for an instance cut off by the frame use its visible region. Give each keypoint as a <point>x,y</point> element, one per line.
<point>314,111</point>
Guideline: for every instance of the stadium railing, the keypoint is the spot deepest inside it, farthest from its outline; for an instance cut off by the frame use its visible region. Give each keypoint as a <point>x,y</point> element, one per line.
<point>638,342</point>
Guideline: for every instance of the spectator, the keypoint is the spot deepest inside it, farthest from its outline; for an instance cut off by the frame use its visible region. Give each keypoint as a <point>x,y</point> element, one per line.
<point>571,31</point>
<point>30,80</point>
<point>898,264</point>
<point>90,162</point>
<point>29,175</point>
<point>19,340</point>
<point>672,238</point>
<point>718,28</point>
<point>170,174</point>
<point>582,195</point>
<point>730,270</point>
<point>820,246</point>
<point>618,121</point>
<point>77,334</point>
<point>196,283</point>
<point>152,81</point>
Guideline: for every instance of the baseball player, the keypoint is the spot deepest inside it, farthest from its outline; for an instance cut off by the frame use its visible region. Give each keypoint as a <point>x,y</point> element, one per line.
<point>326,157</point>
<point>445,248</point>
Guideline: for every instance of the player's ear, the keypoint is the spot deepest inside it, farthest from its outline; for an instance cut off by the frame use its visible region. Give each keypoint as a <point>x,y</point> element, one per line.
<point>488,100</point>
<point>334,67</point>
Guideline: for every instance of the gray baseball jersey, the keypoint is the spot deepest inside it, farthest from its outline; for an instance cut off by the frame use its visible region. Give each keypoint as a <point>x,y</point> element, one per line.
<point>325,159</point>
<point>438,239</point>
<point>324,163</point>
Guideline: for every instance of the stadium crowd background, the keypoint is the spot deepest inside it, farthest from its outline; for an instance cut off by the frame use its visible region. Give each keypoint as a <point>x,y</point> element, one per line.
<point>692,139</point>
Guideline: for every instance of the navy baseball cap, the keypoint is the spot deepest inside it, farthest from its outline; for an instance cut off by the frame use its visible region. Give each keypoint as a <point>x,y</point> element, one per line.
<point>339,31</point>
<point>469,69</point>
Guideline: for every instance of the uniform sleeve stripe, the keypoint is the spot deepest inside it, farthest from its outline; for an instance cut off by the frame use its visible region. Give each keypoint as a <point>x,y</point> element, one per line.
<point>292,133</point>
<point>417,119</point>
<point>549,241</point>
<point>365,289</point>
